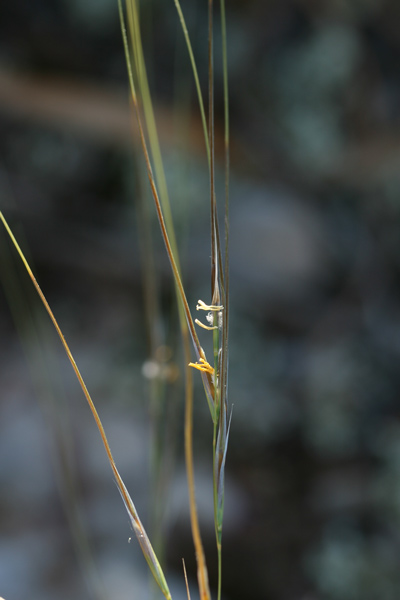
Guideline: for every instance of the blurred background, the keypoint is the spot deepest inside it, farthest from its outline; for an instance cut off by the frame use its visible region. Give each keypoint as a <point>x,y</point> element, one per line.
<point>313,469</point>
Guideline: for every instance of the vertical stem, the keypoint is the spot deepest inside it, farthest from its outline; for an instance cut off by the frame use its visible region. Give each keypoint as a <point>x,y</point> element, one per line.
<point>201,563</point>
<point>224,361</point>
<point>214,261</point>
<point>215,497</point>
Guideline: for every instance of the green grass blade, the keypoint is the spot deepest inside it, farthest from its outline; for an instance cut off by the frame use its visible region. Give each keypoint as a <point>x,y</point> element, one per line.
<point>207,381</point>
<point>172,256</point>
<point>154,143</point>
<point>225,336</point>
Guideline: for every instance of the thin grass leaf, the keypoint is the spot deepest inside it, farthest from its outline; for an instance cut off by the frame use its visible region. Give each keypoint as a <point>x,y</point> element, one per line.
<point>145,96</point>
<point>196,77</point>
<point>215,295</point>
<point>162,191</point>
<point>144,93</point>
<point>47,391</point>
<point>225,335</point>
<point>207,379</point>
<point>130,507</point>
<point>142,538</point>
<point>186,579</point>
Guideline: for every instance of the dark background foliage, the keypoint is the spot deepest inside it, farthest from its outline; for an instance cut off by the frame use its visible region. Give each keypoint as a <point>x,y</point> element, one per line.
<point>313,488</point>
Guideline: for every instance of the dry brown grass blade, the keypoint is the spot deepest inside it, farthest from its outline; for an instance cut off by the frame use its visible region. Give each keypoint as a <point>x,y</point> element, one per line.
<point>202,575</point>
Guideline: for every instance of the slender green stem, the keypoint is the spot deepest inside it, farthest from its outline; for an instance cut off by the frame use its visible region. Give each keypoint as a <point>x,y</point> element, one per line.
<point>219,550</point>
<point>154,191</point>
<point>215,498</point>
<point>213,208</point>
<point>195,75</point>
<point>215,476</point>
<point>154,144</point>
<point>36,346</point>
<point>224,361</point>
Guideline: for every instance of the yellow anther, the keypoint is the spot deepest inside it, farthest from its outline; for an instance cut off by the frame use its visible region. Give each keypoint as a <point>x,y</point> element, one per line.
<point>203,306</point>
<point>203,365</point>
<point>204,327</point>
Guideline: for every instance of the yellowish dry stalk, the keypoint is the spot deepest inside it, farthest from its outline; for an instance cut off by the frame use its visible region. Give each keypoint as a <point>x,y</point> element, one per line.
<point>130,507</point>
<point>202,575</point>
